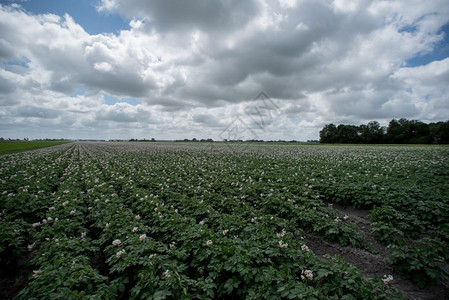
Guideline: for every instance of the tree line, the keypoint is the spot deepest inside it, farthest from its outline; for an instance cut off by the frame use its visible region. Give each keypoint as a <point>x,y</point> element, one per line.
<point>400,131</point>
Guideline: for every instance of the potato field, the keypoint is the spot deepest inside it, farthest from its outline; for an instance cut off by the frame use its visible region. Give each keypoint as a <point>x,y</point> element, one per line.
<point>224,221</point>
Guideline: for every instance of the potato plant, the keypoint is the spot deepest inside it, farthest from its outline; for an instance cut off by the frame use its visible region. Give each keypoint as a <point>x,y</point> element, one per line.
<point>168,221</point>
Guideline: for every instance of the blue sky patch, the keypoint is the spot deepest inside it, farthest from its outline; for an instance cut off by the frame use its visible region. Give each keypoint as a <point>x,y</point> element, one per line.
<point>440,51</point>
<point>17,65</point>
<point>84,12</point>
<point>111,100</point>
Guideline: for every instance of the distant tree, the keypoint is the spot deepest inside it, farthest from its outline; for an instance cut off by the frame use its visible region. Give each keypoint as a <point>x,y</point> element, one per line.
<point>328,134</point>
<point>439,132</point>
<point>419,133</point>
<point>396,132</point>
<point>348,134</point>
<point>405,131</point>
<point>372,133</point>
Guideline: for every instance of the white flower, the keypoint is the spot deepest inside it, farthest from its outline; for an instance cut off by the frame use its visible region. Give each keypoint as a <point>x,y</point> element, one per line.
<point>167,274</point>
<point>282,234</point>
<point>152,256</point>
<point>120,253</point>
<point>305,248</point>
<point>337,219</point>
<point>142,237</point>
<point>134,229</point>
<point>209,243</point>
<point>36,273</point>
<point>202,222</point>
<point>65,203</point>
<point>72,212</point>
<point>51,208</point>
<point>83,235</point>
<point>30,247</point>
<point>225,232</point>
<point>138,217</point>
<point>307,275</point>
<point>116,242</point>
<point>346,217</point>
<point>37,224</point>
<point>107,225</point>
<point>387,278</point>
<point>282,244</point>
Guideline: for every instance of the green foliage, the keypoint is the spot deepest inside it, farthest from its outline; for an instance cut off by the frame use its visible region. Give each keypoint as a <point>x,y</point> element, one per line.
<point>400,131</point>
<point>152,221</point>
<point>13,147</point>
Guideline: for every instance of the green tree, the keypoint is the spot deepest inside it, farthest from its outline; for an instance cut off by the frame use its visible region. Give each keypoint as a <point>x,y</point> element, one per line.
<point>328,134</point>
<point>372,133</point>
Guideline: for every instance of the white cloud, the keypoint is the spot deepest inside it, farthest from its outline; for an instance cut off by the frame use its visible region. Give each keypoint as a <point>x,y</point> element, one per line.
<point>196,66</point>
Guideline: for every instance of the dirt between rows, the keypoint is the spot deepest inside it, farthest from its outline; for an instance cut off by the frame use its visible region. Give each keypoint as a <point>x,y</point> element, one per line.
<point>372,265</point>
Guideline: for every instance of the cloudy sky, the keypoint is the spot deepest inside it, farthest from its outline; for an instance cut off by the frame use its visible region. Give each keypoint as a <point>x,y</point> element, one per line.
<point>175,69</point>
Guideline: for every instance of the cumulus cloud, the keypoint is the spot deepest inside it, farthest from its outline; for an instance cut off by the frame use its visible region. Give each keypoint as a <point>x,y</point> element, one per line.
<point>179,15</point>
<point>196,65</point>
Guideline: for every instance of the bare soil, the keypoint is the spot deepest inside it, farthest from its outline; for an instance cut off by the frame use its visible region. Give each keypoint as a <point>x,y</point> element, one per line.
<point>14,278</point>
<point>373,264</point>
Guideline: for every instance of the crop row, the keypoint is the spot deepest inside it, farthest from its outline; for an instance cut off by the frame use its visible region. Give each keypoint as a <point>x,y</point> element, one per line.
<point>107,220</point>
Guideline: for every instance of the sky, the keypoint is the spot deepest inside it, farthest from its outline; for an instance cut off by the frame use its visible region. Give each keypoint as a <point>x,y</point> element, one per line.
<point>223,69</point>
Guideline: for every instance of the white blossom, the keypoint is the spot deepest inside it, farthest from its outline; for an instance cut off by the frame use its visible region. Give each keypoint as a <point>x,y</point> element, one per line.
<point>30,247</point>
<point>209,243</point>
<point>36,273</point>
<point>282,244</point>
<point>120,253</point>
<point>282,234</point>
<point>387,278</point>
<point>307,275</point>
<point>37,224</point>
<point>116,242</point>
<point>142,237</point>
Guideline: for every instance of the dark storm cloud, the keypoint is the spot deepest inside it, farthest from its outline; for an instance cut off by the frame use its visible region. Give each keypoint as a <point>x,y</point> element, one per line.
<point>180,15</point>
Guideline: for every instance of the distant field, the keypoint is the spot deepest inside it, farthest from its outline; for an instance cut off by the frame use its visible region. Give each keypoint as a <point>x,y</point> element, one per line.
<point>11,147</point>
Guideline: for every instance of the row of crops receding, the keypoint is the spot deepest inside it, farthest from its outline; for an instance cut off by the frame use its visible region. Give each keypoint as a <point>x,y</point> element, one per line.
<point>167,221</point>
